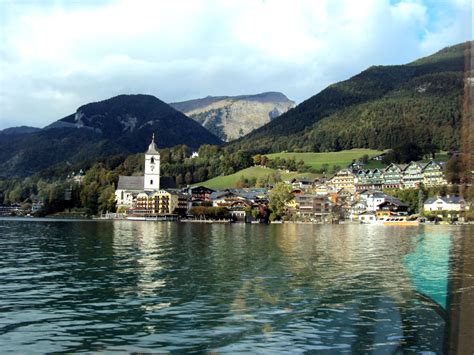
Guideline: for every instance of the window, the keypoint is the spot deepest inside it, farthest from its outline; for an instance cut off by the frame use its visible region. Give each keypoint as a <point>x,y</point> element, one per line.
<point>151,182</point>
<point>152,160</point>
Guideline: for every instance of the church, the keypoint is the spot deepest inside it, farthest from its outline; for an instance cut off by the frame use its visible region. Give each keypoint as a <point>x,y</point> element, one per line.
<point>150,194</point>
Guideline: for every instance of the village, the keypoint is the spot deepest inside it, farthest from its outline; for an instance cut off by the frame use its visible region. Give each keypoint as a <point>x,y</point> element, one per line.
<point>353,194</point>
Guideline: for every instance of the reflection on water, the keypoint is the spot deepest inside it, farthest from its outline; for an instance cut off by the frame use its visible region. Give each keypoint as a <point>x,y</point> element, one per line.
<point>135,286</point>
<point>428,264</point>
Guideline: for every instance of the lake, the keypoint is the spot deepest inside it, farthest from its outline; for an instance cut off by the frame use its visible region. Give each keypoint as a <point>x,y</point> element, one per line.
<point>123,286</point>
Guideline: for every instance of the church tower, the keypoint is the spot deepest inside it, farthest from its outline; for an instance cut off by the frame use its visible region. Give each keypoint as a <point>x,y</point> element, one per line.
<point>152,167</point>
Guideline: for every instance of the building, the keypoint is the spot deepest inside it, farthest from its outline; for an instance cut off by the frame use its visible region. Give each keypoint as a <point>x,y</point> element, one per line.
<point>152,167</point>
<point>200,194</point>
<point>136,192</point>
<point>162,202</point>
<point>393,206</point>
<point>313,206</point>
<point>226,198</point>
<point>373,200</point>
<point>392,176</point>
<point>301,183</point>
<point>344,179</point>
<point>10,210</point>
<point>36,206</point>
<point>371,179</point>
<point>412,175</point>
<point>448,203</point>
<point>367,217</point>
<point>170,201</point>
<point>357,208</point>
<point>433,174</point>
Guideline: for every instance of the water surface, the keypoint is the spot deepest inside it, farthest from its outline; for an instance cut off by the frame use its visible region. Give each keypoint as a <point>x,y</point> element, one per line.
<point>147,286</point>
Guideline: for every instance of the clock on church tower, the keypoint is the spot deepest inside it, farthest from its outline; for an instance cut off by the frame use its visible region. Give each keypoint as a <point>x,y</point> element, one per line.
<point>152,167</point>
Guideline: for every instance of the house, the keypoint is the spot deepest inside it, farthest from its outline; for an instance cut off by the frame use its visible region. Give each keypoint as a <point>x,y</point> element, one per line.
<point>313,206</point>
<point>379,157</point>
<point>392,176</point>
<point>367,217</point>
<point>343,195</point>
<point>393,206</point>
<point>433,174</point>
<point>344,179</point>
<point>412,175</point>
<point>200,194</point>
<point>10,210</point>
<point>372,200</point>
<point>225,198</point>
<point>370,179</point>
<point>301,183</point>
<point>321,189</point>
<point>448,203</point>
<point>357,208</point>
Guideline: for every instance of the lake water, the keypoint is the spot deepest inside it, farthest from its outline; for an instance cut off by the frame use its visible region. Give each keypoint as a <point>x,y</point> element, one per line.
<point>146,286</point>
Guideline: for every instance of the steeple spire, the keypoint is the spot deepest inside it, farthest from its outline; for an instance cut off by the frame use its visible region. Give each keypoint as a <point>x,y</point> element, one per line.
<point>152,148</point>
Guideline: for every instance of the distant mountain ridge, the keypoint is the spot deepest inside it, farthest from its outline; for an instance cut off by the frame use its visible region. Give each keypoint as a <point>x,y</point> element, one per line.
<point>19,130</point>
<point>121,125</point>
<point>231,117</point>
<point>379,108</point>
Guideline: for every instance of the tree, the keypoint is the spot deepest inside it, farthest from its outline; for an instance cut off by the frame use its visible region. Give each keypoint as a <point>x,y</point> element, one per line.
<point>106,200</point>
<point>278,198</point>
<point>454,169</point>
<point>188,178</point>
<point>257,159</point>
<point>179,179</point>
<point>404,153</point>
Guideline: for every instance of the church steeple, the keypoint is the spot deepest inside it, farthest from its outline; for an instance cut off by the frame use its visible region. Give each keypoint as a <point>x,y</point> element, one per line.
<point>152,167</point>
<point>152,148</point>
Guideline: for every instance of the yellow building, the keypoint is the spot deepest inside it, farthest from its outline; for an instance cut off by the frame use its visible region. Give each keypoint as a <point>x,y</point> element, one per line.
<point>170,202</point>
<point>344,179</point>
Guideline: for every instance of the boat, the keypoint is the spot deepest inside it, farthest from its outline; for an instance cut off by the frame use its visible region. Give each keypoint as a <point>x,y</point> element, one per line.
<point>388,219</point>
<point>397,221</point>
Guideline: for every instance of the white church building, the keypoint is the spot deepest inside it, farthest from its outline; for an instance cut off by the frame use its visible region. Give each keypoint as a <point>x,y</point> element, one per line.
<point>130,186</point>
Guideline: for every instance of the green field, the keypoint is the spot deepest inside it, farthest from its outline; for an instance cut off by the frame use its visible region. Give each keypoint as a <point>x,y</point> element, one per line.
<point>317,160</point>
<point>229,181</point>
<point>439,157</point>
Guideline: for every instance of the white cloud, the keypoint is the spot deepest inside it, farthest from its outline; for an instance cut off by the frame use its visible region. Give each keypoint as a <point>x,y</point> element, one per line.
<point>56,57</point>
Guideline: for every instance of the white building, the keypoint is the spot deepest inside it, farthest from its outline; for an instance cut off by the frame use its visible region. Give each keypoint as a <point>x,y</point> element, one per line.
<point>152,167</point>
<point>373,200</point>
<point>448,203</point>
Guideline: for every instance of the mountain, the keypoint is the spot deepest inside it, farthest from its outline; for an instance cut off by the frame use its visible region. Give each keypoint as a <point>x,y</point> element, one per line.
<point>231,117</point>
<point>121,125</point>
<point>19,130</point>
<point>379,108</point>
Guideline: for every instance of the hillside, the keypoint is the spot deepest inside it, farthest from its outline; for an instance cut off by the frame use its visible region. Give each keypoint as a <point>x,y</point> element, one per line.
<point>379,108</point>
<point>318,160</point>
<point>314,160</point>
<point>254,172</point>
<point>120,125</point>
<point>231,117</point>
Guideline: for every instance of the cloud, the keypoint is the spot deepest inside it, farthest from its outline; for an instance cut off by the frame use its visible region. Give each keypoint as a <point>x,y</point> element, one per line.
<point>56,56</point>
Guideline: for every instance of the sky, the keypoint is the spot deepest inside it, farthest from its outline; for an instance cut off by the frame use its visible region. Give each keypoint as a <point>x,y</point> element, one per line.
<point>58,55</point>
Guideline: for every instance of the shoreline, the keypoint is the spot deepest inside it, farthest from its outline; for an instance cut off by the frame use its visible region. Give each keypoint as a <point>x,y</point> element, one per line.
<point>225,222</point>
